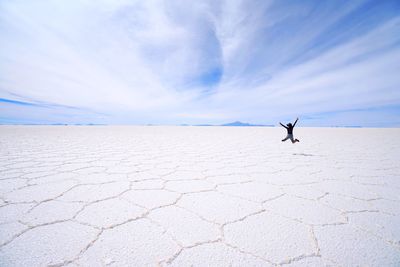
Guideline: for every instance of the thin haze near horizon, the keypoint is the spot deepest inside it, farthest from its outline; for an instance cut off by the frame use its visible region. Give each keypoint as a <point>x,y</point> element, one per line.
<point>331,63</point>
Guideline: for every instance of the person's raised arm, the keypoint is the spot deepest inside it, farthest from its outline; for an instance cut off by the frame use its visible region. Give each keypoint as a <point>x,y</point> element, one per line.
<point>283,125</point>
<point>295,122</point>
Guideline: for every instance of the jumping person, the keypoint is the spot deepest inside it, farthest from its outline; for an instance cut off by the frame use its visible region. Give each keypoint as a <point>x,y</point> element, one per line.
<point>289,127</point>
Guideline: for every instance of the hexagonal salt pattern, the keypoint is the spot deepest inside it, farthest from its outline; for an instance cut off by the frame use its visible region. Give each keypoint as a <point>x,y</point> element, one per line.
<point>346,245</point>
<point>255,234</point>
<point>107,213</point>
<point>48,245</point>
<point>215,254</point>
<point>198,196</point>
<point>136,243</point>
<point>187,228</point>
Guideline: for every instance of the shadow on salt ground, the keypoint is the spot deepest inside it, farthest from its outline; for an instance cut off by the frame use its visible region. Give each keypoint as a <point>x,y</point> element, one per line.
<point>307,155</point>
<point>304,154</point>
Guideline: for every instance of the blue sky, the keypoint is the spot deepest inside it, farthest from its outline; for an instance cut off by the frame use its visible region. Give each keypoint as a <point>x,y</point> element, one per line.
<point>331,63</point>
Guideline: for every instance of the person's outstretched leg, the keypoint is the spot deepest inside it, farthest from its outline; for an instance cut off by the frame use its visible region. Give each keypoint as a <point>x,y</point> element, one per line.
<point>294,140</point>
<point>286,138</point>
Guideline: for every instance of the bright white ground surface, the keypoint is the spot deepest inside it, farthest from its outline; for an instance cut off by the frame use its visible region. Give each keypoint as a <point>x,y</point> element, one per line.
<point>202,196</point>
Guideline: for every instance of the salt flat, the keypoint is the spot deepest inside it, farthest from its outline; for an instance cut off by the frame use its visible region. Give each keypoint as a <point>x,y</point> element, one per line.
<point>202,196</point>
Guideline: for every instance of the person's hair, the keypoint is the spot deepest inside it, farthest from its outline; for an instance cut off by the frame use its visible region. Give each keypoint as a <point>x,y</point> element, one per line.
<point>289,124</point>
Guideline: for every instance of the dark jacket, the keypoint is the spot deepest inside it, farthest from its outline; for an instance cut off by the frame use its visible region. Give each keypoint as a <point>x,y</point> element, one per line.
<point>290,127</point>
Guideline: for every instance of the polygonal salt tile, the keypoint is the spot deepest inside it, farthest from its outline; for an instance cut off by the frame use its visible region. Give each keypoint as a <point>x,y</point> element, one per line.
<point>156,172</point>
<point>231,178</point>
<point>292,178</point>
<point>349,189</point>
<point>186,227</point>
<point>218,207</point>
<point>261,175</point>
<point>388,206</point>
<point>188,166</point>
<point>349,246</point>
<point>311,262</point>
<point>90,193</point>
<point>362,169</point>
<point>90,170</point>
<point>21,165</point>
<point>9,230</point>
<point>271,236</point>
<point>347,204</point>
<point>69,167</point>
<point>51,211</point>
<point>141,176</point>
<point>167,165</point>
<point>308,191</point>
<point>110,212</point>
<point>151,198</point>
<point>10,176</point>
<point>383,225</point>
<point>307,211</point>
<point>107,162</point>
<point>55,159</point>
<point>71,264</point>
<point>39,192</point>
<point>184,175</point>
<point>54,178</point>
<point>222,171</point>
<point>148,184</point>
<point>34,175</point>
<point>39,169</point>
<point>11,184</point>
<point>211,167</point>
<point>385,192</point>
<point>3,164</point>
<point>137,243</point>
<point>215,254</point>
<point>13,212</point>
<point>47,245</point>
<point>146,167</point>
<point>391,180</point>
<point>376,180</point>
<point>252,191</point>
<point>189,186</point>
<point>82,159</point>
<point>97,178</point>
<point>338,172</point>
<point>121,169</point>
